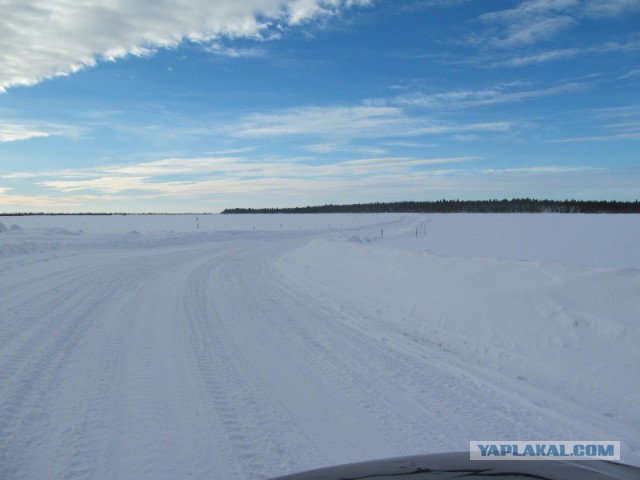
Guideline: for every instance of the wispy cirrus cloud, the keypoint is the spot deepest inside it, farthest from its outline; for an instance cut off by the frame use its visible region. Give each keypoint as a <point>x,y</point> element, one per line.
<point>352,122</point>
<point>14,132</point>
<point>20,131</point>
<point>530,22</point>
<point>163,177</point>
<point>539,170</point>
<point>222,50</point>
<point>565,53</point>
<point>535,21</point>
<point>609,125</point>
<point>393,164</point>
<point>611,8</point>
<point>345,147</point>
<point>532,31</point>
<point>508,93</point>
<point>612,137</point>
<point>536,58</point>
<point>359,120</point>
<point>41,39</point>
<point>10,201</point>
<point>106,184</point>
<point>635,73</point>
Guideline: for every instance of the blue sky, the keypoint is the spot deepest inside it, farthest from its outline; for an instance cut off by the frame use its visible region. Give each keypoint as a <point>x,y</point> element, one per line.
<point>200,105</point>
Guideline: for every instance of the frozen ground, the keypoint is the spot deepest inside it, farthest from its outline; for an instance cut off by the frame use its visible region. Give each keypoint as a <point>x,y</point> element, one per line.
<point>242,347</point>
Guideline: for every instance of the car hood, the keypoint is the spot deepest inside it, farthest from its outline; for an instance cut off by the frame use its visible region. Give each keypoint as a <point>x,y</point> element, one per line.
<point>455,465</point>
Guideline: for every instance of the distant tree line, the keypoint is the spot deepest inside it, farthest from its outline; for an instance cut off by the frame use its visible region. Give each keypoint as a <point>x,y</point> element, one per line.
<point>515,205</point>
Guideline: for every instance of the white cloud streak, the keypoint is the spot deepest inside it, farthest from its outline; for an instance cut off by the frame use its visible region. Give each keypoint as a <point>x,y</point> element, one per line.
<point>535,21</point>
<point>531,21</point>
<point>631,74</point>
<point>344,121</point>
<point>612,124</point>
<point>20,203</point>
<point>19,131</point>
<point>221,50</point>
<point>490,96</point>
<point>611,8</point>
<point>16,132</point>
<point>561,54</point>
<point>41,39</point>
<point>349,123</point>
<point>158,177</point>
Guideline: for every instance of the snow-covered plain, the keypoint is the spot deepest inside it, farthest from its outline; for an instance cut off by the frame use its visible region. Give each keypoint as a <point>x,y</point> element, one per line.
<point>245,347</point>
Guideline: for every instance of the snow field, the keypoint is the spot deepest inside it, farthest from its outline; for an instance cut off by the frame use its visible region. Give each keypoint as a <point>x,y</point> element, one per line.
<point>145,347</point>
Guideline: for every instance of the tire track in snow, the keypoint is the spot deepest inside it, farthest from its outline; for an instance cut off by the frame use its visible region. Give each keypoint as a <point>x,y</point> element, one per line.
<point>59,373</point>
<point>32,370</point>
<point>276,333</point>
<point>257,432</point>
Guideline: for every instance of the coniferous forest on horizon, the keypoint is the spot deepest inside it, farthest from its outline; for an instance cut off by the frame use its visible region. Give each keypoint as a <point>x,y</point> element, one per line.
<point>516,205</point>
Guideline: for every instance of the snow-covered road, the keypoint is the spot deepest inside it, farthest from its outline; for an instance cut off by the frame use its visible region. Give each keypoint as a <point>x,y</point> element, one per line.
<point>218,359</point>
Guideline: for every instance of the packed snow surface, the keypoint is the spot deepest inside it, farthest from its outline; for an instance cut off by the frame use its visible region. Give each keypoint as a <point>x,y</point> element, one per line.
<point>245,347</point>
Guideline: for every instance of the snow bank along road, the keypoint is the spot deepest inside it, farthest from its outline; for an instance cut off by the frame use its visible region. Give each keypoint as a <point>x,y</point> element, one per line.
<point>250,354</point>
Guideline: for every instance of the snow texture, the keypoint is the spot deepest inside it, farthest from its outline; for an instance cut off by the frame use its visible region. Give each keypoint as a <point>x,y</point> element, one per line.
<point>245,347</point>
